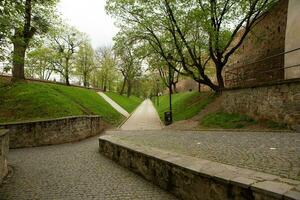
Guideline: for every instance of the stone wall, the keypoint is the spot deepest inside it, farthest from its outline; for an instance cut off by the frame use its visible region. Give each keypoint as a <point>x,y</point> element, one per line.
<point>56,131</point>
<point>279,102</point>
<point>191,178</point>
<point>4,148</point>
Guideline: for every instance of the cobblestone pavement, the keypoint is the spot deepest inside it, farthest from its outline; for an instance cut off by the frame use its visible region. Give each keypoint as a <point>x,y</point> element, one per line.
<point>73,171</point>
<point>145,117</point>
<point>274,153</point>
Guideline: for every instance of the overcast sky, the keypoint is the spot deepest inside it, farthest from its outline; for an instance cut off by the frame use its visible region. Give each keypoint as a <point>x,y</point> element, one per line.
<point>89,16</point>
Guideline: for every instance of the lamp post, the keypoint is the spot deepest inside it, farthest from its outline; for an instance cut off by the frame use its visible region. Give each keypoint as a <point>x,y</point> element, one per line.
<point>170,120</point>
<point>157,91</point>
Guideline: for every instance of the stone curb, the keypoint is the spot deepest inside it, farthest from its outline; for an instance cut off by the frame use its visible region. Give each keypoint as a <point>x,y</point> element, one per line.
<point>234,130</point>
<point>193,178</point>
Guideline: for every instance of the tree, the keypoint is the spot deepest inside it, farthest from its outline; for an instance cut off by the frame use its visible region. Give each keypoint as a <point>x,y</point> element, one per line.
<point>85,61</point>
<point>190,33</point>
<point>129,63</point>
<point>106,64</point>
<point>39,62</point>
<point>161,67</point>
<point>21,20</point>
<point>66,41</point>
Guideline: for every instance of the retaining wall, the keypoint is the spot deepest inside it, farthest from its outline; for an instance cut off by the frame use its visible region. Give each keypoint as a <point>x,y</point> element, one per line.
<point>191,178</point>
<point>279,102</point>
<point>55,131</point>
<point>4,148</point>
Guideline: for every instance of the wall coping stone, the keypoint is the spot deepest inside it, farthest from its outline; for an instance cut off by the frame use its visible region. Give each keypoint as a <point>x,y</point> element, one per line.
<point>49,120</point>
<point>266,184</point>
<point>269,84</point>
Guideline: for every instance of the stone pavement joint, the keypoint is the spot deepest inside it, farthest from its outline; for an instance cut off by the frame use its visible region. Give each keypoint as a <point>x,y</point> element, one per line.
<point>116,106</point>
<point>145,117</point>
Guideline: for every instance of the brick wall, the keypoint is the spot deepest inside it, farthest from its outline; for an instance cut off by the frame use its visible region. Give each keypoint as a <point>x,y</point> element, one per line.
<point>56,131</point>
<point>266,39</point>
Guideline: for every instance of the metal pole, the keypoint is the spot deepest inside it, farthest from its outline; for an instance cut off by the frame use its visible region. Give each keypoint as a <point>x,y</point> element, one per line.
<point>170,93</point>
<point>157,92</point>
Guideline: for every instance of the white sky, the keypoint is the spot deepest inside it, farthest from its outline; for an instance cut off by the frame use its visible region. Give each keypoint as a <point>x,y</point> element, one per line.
<point>89,16</point>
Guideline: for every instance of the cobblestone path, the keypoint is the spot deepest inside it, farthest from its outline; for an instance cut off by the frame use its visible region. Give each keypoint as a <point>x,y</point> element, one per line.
<point>274,153</point>
<point>73,171</point>
<point>145,117</point>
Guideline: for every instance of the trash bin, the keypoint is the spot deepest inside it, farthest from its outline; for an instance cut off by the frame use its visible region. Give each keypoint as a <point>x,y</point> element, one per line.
<point>168,118</point>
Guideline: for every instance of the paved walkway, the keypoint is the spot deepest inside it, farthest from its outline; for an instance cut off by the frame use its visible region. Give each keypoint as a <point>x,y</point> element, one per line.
<point>275,153</point>
<point>114,104</point>
<point>73,171</point>
<point>145,117</point>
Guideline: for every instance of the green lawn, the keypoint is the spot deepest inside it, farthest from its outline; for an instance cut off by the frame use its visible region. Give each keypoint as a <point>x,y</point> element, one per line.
<point>185,105</point>
<point>129,104</point>
<point>237,121</point>
<point>226,120</point>
<point>24,101</point>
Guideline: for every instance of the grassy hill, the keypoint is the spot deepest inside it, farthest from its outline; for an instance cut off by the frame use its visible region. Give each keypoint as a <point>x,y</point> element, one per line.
<point>23,101</point>
<point>185,105</point>
<point>129,104</point>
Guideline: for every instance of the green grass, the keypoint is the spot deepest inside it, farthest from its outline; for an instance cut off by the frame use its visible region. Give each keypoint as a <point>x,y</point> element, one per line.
<point>226,121</point>
<point>129,104</point>
<point>184,105</point>
<point>24,101</point>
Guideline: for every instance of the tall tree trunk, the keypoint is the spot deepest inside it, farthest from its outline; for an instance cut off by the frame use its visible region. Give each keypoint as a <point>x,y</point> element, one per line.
<point>18,59</point>
<point>21,41</point>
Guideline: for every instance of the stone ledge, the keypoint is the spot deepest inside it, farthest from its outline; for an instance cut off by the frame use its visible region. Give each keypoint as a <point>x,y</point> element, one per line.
<point>54,131</point>
<point>48,120</point>
<point>193,178</point>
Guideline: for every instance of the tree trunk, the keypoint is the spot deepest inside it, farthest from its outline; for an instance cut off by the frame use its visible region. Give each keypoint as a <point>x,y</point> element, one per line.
<point>129,87</point>
<point>18,59</point>
<point>67,80</point>
<point>220,79</point>
<point>85,84</point>
<point>174,87</point>
<point>67,73</point>
<point>123,87</point>
<point>20,42</point>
